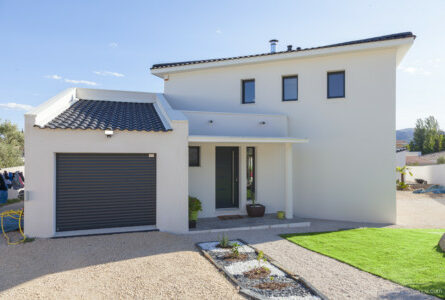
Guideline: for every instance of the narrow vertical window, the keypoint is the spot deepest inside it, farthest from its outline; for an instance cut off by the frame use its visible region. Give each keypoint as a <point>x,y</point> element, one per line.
<point>290,88</point>
<point>250,173</point>
<point>336,84</point>
<point>248,91</point>
<point>194,156</point>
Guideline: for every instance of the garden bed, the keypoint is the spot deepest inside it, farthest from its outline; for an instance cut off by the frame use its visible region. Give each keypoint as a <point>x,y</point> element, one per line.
<point>257,277</point>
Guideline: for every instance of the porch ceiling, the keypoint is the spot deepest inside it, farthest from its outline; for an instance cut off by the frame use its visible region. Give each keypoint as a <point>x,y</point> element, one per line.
<point>243,139</point>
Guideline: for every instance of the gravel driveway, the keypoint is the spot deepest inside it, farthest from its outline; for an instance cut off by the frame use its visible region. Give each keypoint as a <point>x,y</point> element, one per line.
<point>161,265</point>
<point>420,210</point>
<point>146,265</point>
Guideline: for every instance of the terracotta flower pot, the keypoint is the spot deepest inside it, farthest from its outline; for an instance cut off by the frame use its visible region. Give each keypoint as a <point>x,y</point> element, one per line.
<point>255,211</point>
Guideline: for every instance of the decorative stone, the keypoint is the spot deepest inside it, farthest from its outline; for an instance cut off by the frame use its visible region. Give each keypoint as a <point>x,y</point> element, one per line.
<point>287,286</point>
<point>442,243</point>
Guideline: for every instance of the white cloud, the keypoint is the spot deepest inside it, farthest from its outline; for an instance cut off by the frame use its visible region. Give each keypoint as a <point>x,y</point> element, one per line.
<point>16,106</point>
<point>80,81</point>
<point>56,77</point>
<point>112,45</point>
<point>415,71</point>
<point>218,31</point>
<point>108,73</point>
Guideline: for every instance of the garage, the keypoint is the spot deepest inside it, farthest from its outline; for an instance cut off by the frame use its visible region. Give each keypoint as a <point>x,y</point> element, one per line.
<point>104,161</point>
<point>95,191</point>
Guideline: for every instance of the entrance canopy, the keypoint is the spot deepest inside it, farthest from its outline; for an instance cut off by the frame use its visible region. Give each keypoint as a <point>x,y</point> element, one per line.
<point>241,139</point>
<point>233,160</point>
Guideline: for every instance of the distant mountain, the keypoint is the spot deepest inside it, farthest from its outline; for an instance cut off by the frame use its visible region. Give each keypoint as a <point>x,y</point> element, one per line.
<point>405,134</point>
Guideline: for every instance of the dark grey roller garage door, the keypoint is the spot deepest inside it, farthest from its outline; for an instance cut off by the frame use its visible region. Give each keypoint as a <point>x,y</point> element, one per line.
<point>105,190</point>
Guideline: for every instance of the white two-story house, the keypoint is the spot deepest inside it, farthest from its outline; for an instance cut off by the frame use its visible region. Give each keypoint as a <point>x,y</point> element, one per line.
<point>310,132</point>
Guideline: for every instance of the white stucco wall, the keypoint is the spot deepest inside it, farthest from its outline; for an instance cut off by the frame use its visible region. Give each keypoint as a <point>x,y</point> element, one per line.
<point>172,166</point>
<point>234,124</point>
<point>413,153</point>
<point>347,170</point>
<point>269,178</point>
<point>400,161</point>
<point>434,174</point>
<point>401,158</point>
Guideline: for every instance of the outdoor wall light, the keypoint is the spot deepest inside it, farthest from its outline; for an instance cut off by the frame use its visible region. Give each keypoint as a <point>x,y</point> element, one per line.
<point>109,133</point>
<point>210,121</point>
<point>262,123</point>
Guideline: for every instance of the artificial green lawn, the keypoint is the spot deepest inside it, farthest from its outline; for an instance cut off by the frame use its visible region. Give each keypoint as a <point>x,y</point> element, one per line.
<point>409,257</point>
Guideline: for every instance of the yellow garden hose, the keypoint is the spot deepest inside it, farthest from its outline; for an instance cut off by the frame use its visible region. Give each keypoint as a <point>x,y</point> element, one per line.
<point>13,215</point>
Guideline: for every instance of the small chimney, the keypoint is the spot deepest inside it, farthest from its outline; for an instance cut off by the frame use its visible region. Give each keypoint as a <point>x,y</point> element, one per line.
<point>273,46</point>
<point>289,47</point>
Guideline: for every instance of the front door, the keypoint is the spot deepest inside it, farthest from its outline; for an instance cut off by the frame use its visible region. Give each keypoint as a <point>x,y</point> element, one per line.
<point>227,191</point>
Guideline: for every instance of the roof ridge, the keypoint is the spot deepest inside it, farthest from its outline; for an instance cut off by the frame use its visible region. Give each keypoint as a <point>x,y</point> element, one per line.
<point>393,36</point>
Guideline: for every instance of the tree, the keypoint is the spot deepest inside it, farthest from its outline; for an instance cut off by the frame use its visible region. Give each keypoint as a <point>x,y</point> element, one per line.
<point>427,138</point>
<point>12,145</point>
<point>403,171</point>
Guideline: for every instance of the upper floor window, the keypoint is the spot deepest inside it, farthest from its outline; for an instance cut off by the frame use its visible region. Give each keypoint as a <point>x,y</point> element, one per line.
<point>194,157</point>
<point>248,91</point>
<point>290,88</point>
<point>336,84</point>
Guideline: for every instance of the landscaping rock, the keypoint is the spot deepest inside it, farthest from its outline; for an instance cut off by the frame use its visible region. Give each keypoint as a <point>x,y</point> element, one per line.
<point>442,243</point>
<point>276,284</point>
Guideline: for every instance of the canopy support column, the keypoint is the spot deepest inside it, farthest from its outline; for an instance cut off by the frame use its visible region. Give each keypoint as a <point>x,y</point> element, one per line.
<point>289,207</point>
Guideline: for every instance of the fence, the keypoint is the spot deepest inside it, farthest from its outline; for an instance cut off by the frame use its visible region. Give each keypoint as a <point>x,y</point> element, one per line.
<point>434,174</point>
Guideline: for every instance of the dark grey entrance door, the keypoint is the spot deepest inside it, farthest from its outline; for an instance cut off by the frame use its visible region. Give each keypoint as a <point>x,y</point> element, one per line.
<point>227,191</point>
<point>105,190</point>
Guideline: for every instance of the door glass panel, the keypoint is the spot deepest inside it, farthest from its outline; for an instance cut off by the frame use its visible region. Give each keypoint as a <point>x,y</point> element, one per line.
<point>250,173</point>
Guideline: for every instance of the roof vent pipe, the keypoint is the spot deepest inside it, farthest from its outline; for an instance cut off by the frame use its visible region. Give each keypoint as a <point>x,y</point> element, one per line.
<point>273,46</point>
<point>289,47</point>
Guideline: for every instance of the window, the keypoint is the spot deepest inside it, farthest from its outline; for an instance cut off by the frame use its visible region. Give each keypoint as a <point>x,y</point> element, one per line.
<point>250,173</point>
<point>290,88</point>
<point>194,156</point>
<point>249,91</point>
<point>336,84</point>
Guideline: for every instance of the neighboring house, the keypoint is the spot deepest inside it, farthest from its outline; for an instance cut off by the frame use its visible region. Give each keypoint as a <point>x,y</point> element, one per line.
<point>284,127</point>
<point>423,160</point>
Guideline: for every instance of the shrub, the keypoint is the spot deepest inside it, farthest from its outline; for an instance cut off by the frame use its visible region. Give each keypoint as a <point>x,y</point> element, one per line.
<point>194,204</point>
<point>402,186</point>
<point>441,160</point>
<point>235,250</point>
<point>224,241</point>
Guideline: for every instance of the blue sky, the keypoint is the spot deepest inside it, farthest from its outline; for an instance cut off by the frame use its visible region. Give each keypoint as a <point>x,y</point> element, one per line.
<point>47,46</point>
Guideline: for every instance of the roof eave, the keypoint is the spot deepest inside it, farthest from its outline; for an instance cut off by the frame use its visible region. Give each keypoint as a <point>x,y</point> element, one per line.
<point>396,43</point>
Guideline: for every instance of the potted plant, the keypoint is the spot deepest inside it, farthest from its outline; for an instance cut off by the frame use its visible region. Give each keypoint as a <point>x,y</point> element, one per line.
<point>254,209</point>
<point>195,206</point>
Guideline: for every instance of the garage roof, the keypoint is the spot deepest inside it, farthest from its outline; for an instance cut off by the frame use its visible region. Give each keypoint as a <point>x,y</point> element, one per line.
<point>114,115</point>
